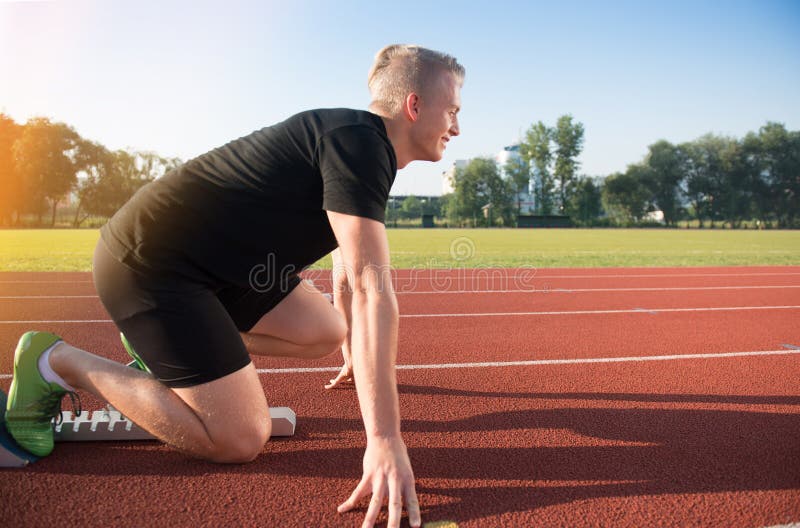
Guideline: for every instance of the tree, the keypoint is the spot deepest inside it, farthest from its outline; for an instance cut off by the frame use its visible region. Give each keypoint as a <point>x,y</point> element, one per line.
<point>433,205</point>
<point>709,185</point>
<point>754,167</point>
<point>411,207</point>
<point>625,196</point>
<point>666,165</point>
<point>518,171</point>
<point>45,156</point>
<point>780,152</point>
<point>568,138</point>
<point>535,150</point>
<point>12,190</point>
<point>103,190</point>
<point>151,166</point>
<point>585,202</point>
<point>735,196</point>
<point>476,185</point>
<point>111,178</point>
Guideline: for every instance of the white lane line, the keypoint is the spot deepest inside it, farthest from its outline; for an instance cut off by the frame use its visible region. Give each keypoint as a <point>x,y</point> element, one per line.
<point>500,273</point>
<point>57,321</point>
<point>44,281</point>
<point>21,297</point>
<point>605,290</point>
<point>487,273</point>
<point>540,290</point>
<point>537,362</point>
<point>492,314</point>
<point>593,312</point>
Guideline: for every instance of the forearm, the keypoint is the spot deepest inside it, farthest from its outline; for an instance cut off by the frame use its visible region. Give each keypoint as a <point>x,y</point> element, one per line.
<point>374,352</point>
<point>343,300</point>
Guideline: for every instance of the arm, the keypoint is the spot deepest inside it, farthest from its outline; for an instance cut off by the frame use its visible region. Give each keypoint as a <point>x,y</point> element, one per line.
<point>374,320</point>
<point>342,300</point>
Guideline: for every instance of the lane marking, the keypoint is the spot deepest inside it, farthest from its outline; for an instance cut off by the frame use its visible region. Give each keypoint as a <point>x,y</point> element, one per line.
<point>598,312</point>
<point>45,281</point>
<point>486,273</point>
<point>489,314</point>
<point>492,273</point>
<point>454,292</point>
<point>536,362</point>
<point>606,290</point>
<point>21,297</point>
<point>64,321</point>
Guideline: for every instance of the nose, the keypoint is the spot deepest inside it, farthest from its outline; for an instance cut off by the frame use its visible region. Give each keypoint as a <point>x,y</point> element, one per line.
<point>454,128</point>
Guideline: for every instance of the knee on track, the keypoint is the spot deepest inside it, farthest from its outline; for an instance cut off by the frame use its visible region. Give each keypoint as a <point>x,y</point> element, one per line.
<point>242,445</point>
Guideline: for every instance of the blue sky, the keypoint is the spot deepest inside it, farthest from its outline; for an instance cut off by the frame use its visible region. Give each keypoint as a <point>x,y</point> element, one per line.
<point>183,77</point>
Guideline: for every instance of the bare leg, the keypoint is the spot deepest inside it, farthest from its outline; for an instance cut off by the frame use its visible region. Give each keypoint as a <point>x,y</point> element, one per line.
<point>303,325</point>
<point>226,420</point>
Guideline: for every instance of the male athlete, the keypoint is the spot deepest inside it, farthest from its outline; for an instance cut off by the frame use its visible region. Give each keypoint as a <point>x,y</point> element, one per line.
<point>199,270</point>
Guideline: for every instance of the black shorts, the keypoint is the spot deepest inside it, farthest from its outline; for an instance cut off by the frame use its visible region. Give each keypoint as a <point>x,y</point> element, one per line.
<point>187,333</point>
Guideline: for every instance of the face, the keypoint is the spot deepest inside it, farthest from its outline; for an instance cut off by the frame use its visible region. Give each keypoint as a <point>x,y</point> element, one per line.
<point>437,118</point>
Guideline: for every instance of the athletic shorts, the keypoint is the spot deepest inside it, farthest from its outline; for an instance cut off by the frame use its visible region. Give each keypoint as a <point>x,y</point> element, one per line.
<point>187,333</point>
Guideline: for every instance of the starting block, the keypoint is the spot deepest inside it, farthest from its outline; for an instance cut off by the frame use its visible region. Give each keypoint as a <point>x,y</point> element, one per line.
<point>106,425</point>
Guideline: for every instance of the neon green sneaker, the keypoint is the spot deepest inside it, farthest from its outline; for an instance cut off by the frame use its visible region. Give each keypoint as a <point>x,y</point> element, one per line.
<point>32,401</point>
<point>137,362</point>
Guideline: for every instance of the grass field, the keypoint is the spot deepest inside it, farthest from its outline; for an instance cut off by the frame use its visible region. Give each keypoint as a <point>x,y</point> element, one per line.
<point>71,250</point>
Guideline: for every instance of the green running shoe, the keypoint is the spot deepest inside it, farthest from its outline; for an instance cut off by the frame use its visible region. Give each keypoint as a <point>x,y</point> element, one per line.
<point>33,403</point>
<point>137,362</point>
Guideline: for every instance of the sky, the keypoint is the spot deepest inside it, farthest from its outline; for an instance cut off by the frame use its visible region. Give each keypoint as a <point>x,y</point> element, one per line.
<point>183,77</point>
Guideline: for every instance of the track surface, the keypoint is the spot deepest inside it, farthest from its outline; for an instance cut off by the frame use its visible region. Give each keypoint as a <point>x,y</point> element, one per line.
<point>608,418</point>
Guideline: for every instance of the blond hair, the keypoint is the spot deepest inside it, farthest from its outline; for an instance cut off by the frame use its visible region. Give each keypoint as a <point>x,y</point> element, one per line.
<point>400,69</point>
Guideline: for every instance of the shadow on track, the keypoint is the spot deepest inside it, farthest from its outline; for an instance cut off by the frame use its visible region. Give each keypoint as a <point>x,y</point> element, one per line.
<point>660,451</point>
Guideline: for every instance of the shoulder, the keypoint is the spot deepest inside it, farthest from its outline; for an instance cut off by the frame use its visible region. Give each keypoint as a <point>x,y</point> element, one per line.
<point>340,121</point>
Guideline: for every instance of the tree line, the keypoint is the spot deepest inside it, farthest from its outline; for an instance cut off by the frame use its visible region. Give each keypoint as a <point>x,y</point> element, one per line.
<point>43,162</point>
<point>710,180</point>
<point>714,179</point>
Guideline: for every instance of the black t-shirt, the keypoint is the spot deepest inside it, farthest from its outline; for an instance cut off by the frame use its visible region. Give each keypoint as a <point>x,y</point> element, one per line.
<point>260,200</point>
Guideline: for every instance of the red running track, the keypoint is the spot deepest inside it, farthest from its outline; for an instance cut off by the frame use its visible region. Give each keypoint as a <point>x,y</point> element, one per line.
<point>683,441</point>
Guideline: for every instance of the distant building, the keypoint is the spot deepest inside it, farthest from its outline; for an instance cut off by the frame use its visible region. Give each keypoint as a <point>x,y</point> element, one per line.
<point>508,153</point>
<point>448,176</point>
<point>655,216</point>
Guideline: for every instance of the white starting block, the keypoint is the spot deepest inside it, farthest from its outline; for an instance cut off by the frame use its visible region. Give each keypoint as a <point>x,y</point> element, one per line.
<point>108,425</point>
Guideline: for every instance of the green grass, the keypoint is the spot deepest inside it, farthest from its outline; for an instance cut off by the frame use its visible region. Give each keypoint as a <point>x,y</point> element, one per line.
<point>71,250</point>
<point>47,249</point>
<point>543,248</point>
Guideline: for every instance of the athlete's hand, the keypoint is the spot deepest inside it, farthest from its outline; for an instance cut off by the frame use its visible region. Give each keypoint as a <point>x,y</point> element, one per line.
<point>387,472</point>
<point>345,376</point>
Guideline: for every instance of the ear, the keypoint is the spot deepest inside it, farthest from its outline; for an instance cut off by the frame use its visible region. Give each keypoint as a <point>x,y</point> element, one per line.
<point>411,107</point>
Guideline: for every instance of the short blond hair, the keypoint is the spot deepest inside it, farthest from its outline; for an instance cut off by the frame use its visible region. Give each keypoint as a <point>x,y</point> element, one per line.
<point>400,69</point>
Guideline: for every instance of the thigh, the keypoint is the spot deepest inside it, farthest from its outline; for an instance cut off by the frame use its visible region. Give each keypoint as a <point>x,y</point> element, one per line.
<point>305,317</point>
<point>179,328</point>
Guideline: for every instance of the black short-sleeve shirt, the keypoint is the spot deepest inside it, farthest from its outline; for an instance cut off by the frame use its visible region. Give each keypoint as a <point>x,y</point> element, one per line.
<point>259,200</point>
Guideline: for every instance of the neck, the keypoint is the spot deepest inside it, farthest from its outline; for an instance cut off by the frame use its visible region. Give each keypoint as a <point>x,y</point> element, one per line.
<point>397,130</point>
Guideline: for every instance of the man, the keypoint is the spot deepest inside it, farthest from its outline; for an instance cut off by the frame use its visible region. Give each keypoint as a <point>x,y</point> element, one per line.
<point>199,270</point>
